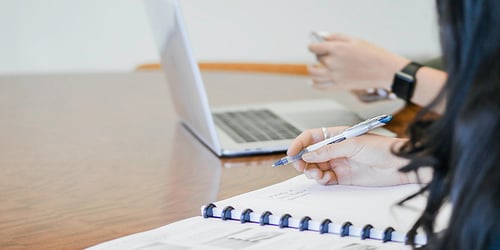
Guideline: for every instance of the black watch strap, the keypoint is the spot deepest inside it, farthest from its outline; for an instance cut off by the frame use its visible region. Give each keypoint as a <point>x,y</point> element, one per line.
<point>405,81</point>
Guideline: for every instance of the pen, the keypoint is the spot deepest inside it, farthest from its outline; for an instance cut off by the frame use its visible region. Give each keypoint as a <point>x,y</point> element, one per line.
<point>353,131</point>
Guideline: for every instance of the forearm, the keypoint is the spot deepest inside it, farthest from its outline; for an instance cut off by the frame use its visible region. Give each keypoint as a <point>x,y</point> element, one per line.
<point>429,83</point>
<point>358,64</point>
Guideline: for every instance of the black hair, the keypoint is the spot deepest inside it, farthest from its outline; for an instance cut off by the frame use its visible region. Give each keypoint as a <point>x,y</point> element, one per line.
<point>463,145</point>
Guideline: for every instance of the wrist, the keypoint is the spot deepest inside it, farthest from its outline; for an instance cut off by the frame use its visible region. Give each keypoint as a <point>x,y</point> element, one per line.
<point>423,175</point>
<point>405,81</point>
<point>394,65</point>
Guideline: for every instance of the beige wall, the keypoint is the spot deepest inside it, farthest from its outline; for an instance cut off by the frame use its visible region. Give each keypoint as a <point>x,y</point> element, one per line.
<point>113,35</point>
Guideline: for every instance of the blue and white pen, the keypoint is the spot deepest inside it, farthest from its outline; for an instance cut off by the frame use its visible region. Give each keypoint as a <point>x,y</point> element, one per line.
<point>353,131</point>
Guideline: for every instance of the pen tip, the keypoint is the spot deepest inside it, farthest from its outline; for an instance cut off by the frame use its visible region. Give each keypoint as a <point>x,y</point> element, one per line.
<point>280,162</point>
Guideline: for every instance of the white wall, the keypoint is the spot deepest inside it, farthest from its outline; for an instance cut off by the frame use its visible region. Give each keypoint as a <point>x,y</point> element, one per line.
<point>113,35</point>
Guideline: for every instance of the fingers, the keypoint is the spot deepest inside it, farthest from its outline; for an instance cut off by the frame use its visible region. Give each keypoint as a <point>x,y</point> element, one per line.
<point>312,172</point>
<point>329,178</point>
<point>338,37</point>
<point>311,136</point>
<point>307,138</point>
<point>325,48</point>
<point>319,74</point>
<point>300,166</point>
<point>344,149</point>
<point>324,177</point>
<point>319,48</point>
<point>317,71</point>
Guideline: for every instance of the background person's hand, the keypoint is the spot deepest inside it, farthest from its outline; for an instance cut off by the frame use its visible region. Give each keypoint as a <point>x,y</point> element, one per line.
<point>365,160</point>
<point>348,62</point>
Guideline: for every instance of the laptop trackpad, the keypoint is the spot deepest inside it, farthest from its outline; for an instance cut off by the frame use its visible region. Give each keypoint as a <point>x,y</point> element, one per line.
<point>322,118</point>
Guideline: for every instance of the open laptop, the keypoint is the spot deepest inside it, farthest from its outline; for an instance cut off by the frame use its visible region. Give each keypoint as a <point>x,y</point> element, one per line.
<point>229,131</point>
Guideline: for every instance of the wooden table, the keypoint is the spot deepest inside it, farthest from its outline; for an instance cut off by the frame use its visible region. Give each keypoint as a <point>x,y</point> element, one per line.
<point>87,158</point>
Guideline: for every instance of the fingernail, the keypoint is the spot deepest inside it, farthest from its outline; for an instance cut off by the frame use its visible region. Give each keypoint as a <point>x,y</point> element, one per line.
<point>297,166</point>
<point>326,177</point>
<point>316,174</point>
<point>308,174</point>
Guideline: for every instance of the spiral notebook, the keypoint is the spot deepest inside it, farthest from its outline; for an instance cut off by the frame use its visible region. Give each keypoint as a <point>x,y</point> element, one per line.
<point>294,214</point>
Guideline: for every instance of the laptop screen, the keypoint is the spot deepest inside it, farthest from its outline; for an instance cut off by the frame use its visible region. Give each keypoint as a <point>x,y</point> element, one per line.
<point>181,70</point>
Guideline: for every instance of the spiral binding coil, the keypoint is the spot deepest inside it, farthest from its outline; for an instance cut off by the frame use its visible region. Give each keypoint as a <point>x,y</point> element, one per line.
<point>264,218</point>
<point>366,232</point>
<point>345,229</point>
<point>284,220</point>
<point>324,226</point>
<point>226,213</point>
<point>388,234</point>
<point>304,223</point>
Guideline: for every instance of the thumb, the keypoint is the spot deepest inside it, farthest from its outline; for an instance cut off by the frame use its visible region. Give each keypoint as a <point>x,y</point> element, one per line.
<point>344,149</point>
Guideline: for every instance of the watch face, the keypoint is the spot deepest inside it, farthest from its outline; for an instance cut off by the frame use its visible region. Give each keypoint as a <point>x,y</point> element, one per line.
<point>403,85</point>
<point>404,76</point>
<point>404,81</point>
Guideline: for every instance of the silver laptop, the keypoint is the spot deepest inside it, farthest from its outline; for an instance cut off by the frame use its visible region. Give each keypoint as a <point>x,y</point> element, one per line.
<point>230,131</point>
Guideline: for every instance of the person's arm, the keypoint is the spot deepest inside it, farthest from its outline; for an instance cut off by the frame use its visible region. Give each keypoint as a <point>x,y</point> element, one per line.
<point>348,62</point>
<point>429,83</point>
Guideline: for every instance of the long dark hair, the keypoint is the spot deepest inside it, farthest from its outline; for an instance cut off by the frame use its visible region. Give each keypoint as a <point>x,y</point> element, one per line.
<point>463,145</point>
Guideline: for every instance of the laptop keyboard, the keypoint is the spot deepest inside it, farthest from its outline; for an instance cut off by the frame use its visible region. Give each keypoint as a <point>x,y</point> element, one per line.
<point>255,125</point>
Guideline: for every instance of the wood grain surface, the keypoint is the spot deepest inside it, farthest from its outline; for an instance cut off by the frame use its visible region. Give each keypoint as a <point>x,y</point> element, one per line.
<point>87,158</point>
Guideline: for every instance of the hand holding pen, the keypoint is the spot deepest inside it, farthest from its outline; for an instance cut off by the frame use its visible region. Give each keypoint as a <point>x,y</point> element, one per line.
<point>361,160</point>
<point>353,131</point>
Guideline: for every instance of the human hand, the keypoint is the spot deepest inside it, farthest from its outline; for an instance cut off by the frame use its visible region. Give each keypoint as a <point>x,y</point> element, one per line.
<point>348,62</point>
<point>364,160</point>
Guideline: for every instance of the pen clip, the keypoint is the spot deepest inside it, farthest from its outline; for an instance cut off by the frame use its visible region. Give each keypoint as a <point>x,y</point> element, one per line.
<point>372,123</point>
<point>363,123</point>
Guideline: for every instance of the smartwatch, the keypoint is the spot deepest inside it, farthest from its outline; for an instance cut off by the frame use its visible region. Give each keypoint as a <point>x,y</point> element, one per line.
<point>405,81</point>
